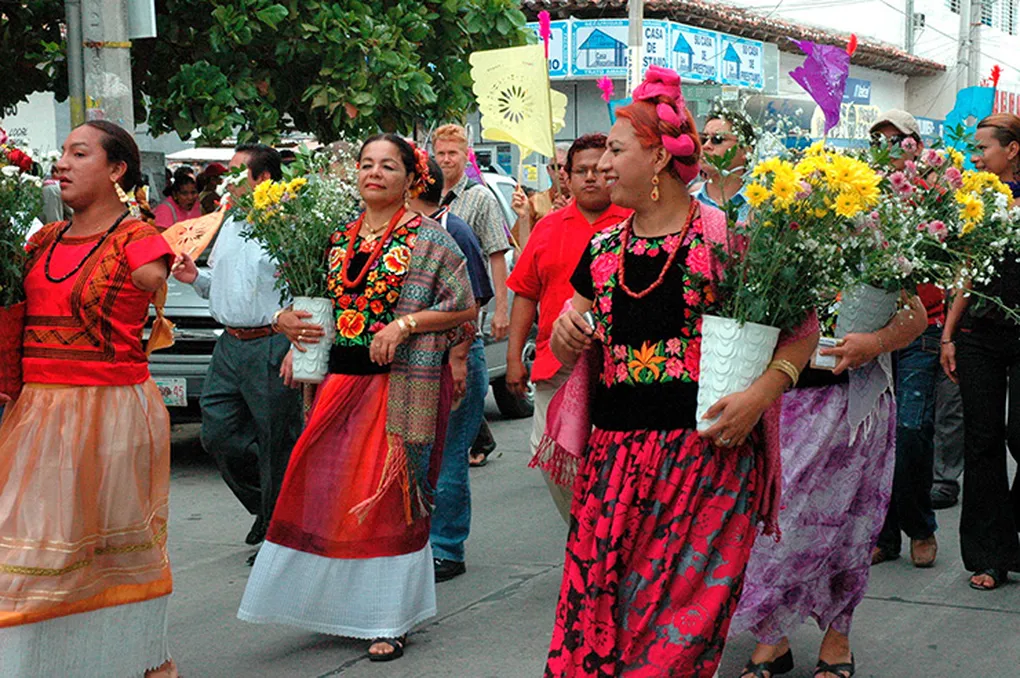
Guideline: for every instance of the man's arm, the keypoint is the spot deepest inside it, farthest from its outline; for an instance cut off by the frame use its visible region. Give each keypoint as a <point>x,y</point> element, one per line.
<point>500,317</point>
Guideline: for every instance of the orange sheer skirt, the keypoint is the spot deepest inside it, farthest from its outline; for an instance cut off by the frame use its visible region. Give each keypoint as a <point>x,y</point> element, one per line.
<point>84,483</point>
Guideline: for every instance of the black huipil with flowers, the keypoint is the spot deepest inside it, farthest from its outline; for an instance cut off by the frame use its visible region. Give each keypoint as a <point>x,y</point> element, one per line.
<point>363,310</point>
<point>651,346</point>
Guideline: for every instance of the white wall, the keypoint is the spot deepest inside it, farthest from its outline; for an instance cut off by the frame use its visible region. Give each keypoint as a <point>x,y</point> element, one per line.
<point>931,97</point>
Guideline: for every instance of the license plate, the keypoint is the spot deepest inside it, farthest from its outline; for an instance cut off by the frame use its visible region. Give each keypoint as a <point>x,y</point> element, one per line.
<point>174,391</point>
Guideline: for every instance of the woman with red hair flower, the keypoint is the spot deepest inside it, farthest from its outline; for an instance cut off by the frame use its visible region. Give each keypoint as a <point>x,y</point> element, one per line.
<point>347,551</point>
<point>663,518</point>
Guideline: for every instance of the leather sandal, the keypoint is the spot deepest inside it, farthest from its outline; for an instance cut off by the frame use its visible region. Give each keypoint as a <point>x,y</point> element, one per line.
<point>999,577</point>
<point>398,649</point>
<point>844,670</point>
<point>777,667</point>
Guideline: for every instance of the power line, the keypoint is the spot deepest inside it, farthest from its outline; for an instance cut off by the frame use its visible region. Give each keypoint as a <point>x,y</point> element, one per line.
<point>954,38</point>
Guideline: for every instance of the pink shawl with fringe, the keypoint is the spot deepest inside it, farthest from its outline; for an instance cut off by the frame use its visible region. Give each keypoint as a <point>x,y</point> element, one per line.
<point>568,422</point>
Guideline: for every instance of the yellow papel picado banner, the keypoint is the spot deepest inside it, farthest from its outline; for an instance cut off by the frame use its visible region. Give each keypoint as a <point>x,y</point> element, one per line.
<point>515,100</point>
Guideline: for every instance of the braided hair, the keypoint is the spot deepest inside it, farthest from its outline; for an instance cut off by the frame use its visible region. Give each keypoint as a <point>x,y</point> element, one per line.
<point>660,117</point>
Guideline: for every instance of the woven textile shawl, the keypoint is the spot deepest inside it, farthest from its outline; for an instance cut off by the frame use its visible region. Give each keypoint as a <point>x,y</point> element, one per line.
<point>437,281</point>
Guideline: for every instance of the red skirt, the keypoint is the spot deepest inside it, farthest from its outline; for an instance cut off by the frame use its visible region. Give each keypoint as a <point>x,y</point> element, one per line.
<point>338,463</point>
<point>661,529</point>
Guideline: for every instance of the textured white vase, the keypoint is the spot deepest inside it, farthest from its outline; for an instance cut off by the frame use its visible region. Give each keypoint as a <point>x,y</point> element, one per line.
<point>732,357</point>
<point>312,365</point>
<point>864,308</point>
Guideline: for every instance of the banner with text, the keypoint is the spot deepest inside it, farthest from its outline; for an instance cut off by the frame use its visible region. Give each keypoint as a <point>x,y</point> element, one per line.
<point>592,48</point>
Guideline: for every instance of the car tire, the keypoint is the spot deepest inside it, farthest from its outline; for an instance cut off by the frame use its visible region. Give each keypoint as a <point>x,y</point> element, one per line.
<point>510,405</point>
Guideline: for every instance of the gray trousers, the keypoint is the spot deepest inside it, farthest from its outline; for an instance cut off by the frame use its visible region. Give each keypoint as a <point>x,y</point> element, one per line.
<point>250,420</point>
<point>948,438</point>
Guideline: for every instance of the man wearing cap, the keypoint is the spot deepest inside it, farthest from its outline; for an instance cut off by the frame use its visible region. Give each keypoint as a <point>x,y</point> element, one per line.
<point>917,369</point>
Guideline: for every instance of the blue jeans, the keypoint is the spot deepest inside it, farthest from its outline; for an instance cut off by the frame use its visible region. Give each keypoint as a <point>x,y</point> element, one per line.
<point>910,509</point>
<point>451,520</point>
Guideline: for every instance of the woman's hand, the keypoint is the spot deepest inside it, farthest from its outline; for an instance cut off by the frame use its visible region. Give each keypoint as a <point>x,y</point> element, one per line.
<point>571,334</point>
<point>459,370</point>
<point>948,359</point>
<point>291,323</point>
<point>855,351</point>
<point>738,415</point>
<point>385,342</point>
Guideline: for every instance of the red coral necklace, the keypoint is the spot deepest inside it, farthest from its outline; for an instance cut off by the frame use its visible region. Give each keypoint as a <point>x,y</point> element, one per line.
<point>352,236</point>
<point>625,238</point>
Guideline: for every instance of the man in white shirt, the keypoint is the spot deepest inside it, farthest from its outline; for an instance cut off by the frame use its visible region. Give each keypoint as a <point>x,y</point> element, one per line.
<point>250,418</point>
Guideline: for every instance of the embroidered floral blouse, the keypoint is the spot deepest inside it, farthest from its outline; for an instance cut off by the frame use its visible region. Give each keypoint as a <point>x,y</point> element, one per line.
<point>363,310</point>
<point>651,346</point>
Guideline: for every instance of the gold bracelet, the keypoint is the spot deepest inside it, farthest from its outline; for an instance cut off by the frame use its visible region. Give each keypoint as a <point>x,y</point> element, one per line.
<point>787,368</point>
<point>881,344</point>
<point>402,324</point>
<point>412,322</point>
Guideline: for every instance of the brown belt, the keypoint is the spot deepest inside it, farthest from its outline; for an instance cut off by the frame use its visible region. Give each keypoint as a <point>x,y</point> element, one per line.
<point>249,333</point>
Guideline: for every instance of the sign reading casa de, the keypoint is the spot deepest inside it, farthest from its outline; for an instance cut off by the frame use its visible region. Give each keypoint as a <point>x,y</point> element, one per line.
<point>592,48</point>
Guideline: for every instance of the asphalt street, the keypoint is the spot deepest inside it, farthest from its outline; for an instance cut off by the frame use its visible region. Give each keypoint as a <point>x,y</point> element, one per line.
<point>496,619</point>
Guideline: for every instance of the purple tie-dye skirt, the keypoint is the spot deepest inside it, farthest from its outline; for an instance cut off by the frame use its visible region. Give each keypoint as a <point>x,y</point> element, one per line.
<point>835,496</point>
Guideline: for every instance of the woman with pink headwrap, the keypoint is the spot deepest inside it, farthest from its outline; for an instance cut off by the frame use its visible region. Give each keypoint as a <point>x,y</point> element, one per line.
<point>663,518</point>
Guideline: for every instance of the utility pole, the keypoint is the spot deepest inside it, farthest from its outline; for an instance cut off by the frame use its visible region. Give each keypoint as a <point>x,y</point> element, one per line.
<point>635,37</point>
<point>974,44</point>
<point>75,74</point>
<point>963,46</point>
<point>108,62</point>
<point>908,31</point>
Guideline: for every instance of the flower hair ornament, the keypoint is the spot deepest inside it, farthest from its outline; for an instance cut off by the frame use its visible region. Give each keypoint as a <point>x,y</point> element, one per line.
<point>421,168</point>
<point>664,84</point>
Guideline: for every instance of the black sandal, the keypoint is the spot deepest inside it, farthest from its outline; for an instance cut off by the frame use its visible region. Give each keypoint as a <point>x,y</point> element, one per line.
<point>398,649</point>
<point>777,667</point>
<point>999,577</point>
<point>844,670</point>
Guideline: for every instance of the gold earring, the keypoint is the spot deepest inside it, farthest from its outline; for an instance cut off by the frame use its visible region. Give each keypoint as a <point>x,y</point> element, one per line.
<point>655,188</point>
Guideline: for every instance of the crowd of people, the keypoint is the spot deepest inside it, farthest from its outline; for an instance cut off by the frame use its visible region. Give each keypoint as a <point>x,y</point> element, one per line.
<point>362,504</point>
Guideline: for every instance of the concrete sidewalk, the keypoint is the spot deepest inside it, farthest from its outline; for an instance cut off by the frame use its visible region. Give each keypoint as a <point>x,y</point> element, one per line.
<point>496,619</point>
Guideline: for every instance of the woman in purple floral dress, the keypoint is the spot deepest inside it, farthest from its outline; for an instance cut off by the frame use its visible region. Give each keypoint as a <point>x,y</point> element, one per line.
<point>837,432</point>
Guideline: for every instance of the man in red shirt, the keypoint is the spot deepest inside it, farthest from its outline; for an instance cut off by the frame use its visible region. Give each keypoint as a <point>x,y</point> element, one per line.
<point>541,282</point>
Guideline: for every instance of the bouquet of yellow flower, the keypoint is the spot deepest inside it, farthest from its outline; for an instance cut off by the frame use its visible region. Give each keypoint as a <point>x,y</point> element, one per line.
<point>989,225</point>
<point>294,218</point>
<point>789,257</point>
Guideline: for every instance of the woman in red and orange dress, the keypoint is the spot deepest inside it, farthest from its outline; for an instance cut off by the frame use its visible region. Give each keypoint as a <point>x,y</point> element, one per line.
<point>85,449</point>
<point>663,517</point>
<point>347,551</point>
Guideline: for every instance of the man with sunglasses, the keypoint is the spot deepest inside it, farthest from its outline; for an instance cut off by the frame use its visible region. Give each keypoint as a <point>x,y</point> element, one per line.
<point>541,283</point>
<point>725,135</point>
<point>917,370</point>
<point>530,209</point>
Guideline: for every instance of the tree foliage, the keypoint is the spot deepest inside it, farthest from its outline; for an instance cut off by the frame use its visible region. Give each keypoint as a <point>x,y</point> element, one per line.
<point>329,68</point>
<point>32,49</point>
<point>259,68</point>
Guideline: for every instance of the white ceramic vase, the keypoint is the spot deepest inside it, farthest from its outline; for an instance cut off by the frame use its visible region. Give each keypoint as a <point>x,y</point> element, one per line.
<point>732,357</point>
<point>864,308</point>
<point>312,365</point>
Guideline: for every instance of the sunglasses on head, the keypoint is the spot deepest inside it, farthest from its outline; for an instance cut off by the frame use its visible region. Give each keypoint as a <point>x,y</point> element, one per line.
<point>716,138</point>
<point>895,140</point>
